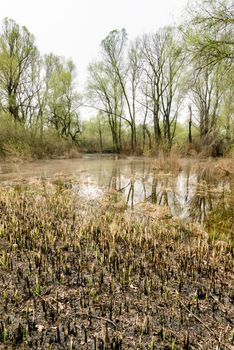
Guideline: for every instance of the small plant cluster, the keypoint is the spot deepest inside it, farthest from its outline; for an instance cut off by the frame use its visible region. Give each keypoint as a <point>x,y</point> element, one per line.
<point>73,276</point>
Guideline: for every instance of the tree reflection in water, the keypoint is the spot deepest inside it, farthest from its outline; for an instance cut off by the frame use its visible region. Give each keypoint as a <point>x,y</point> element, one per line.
<point>190,190</point>
<point>190,193</point>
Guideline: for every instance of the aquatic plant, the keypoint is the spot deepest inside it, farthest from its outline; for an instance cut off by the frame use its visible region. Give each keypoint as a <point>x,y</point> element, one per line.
<point>77,276</point>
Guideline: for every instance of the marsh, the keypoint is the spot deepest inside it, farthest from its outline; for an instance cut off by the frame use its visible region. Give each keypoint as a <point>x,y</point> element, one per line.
<point>188,188</point>
<point>116,254</point>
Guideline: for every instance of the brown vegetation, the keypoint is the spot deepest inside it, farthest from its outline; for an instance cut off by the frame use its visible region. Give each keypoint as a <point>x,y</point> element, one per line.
<point>77,277</point>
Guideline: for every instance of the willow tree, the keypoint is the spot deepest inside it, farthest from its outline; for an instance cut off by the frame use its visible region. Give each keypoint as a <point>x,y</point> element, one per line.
<point>209,44</point>
<point>62,99</point>
<point>17,57</point>
<point>209,33</point>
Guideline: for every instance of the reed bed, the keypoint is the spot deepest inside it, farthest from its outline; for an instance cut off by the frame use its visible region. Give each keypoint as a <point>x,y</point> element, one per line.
<point>79,276</point>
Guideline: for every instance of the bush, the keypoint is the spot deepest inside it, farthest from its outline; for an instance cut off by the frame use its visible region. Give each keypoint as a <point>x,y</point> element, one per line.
<point>20,142</point>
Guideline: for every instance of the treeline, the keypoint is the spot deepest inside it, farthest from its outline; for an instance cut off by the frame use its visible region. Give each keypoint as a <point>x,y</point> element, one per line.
<point>172,88</point>
<point>38,98</point>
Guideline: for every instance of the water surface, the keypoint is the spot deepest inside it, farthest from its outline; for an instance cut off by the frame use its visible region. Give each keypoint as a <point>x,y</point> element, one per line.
<point>186,189</point>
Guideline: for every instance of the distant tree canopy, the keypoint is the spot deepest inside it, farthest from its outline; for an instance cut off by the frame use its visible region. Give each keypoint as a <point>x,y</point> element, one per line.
<point>141,89</point>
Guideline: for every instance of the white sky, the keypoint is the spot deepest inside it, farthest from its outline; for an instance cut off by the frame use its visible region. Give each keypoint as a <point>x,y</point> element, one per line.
<point>75,28</point>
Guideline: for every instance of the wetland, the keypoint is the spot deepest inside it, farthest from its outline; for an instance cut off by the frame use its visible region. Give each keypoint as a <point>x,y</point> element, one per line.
<point>105,253</point>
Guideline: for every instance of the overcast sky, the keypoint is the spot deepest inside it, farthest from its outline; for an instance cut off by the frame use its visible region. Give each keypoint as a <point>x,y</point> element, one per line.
<point>75,28</point>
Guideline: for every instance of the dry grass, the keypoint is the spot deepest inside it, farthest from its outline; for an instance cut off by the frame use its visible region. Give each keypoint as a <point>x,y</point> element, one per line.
<point>170,163</point>
<point>77,277</point>
<point>211,169</point>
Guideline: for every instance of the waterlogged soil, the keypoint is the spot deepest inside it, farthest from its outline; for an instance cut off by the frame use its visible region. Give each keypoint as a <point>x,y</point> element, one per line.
<point>90,260</point>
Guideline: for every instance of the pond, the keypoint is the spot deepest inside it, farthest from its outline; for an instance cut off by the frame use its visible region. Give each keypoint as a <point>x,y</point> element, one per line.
<point>188,188</point>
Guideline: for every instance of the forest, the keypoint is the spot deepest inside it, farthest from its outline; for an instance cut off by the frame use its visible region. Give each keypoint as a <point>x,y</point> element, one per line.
<point>171,90</point>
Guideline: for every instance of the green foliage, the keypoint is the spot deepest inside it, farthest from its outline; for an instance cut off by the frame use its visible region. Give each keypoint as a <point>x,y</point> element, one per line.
<point>91,139</point>
<point>18,141</point>
<point>62,99</point>
<point>138,89</point>
<point>17,56</point>
<point>210,33</point>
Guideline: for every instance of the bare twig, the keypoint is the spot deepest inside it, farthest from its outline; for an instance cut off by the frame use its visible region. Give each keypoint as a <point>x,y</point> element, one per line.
<point>204,325</point>
<point>98,318</point>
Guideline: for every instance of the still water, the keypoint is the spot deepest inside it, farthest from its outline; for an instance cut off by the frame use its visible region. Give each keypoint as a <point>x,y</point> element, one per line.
<point>185,188</point>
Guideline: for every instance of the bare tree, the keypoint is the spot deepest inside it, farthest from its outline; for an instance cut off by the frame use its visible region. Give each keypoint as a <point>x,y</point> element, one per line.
<point>206,96</point>
<point>163,62</point>
<point>127,74</point>
<point>105,95</point>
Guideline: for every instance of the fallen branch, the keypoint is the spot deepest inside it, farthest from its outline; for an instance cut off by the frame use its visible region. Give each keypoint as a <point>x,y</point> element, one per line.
<point>204,325</point>
<point>107,320</point>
